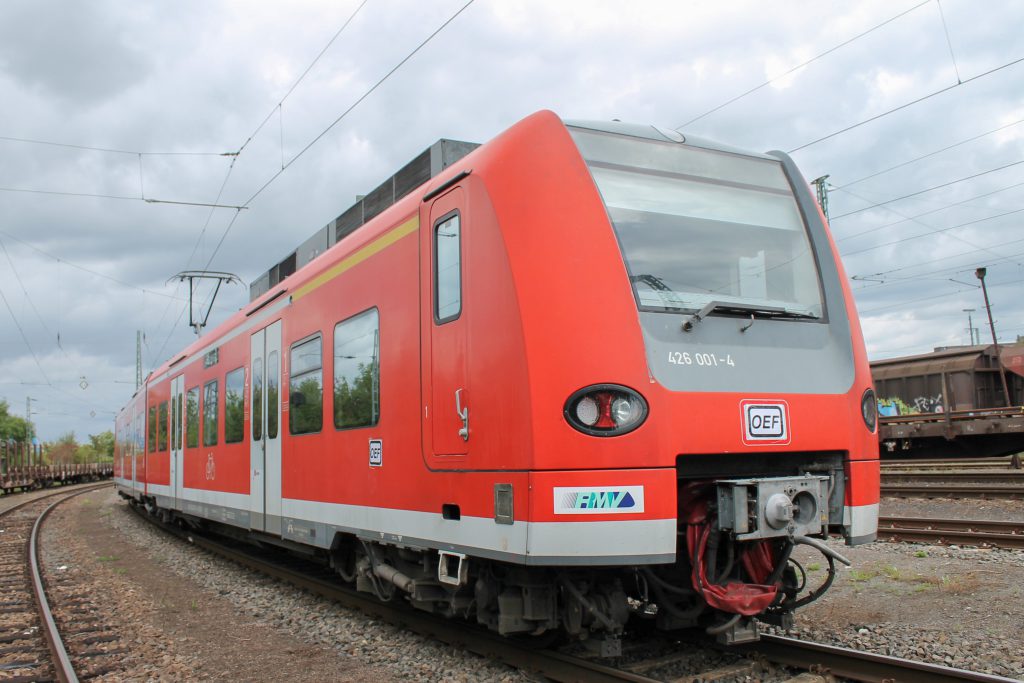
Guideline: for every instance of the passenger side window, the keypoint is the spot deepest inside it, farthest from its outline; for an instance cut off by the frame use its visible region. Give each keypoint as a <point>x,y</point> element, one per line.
<point>357,371</point>
<point>161,428</point>
<point>447,269</point>
<point>234,423</point>
<point>192,418</point>
<point>210,413</point>
<point>305,387</point>
<point>151,445</point>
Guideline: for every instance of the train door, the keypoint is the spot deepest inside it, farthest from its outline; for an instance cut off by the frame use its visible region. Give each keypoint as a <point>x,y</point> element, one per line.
<point>265,421</point>
<point>447,394</point>
<point>177,452</point>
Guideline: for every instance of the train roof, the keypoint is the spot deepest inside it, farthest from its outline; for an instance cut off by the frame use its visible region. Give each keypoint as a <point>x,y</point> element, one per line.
<point>650,132</point>
<point>356,221</point>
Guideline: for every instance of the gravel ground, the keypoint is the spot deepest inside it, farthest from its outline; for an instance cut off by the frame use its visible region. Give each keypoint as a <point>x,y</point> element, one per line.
<point>955,606</point>
<point>383,651</point>
<point>950,605</point>
<point>989,510</point>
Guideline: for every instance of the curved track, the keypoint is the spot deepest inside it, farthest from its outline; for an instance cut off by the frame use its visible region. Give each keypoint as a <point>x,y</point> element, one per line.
<point>559,666</point>
<point>30,636</point>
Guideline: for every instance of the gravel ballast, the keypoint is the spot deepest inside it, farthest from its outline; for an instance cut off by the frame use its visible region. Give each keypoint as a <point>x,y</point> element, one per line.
<point>955,606</point>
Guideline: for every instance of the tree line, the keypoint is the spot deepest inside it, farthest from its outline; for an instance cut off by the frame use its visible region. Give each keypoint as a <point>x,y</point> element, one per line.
<point>66,449</point>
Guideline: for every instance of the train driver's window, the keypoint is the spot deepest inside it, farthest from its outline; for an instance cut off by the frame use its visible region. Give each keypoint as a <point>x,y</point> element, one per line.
<point>192,418</point>
<point>447,269</point>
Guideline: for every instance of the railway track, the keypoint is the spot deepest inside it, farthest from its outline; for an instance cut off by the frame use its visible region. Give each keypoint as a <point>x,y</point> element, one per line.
<point>949,464</point>
<point>952,531</point>
<point>949,476</point>
<point>909,490</point>
<point>563,666</point>
<point>31,645</point>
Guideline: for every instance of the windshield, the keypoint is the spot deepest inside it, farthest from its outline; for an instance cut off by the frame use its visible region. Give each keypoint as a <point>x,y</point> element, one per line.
<point>697,226</point>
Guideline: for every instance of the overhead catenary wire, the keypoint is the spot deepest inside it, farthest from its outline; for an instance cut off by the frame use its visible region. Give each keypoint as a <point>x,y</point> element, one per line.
<point>147,200</point>
<point>929,189</point>
<point>949,43</point>
<point>929,212</point>
<point>907,104</point>
<point>358,101</point>
<point>997,255</point>
<point>277,107</point>
<point>24,337</point>
<point>35,309</point>
<point>112,150</point>
<point>936,296</point>
<point>802,65</point>
<point>84,269</point>
<point>933,232</point>
<point>931,261</point>
<point>242,147</point>
<point>844,186</point>
<point>338,120</point>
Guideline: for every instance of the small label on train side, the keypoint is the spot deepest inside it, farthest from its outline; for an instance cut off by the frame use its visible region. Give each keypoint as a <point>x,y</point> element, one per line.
<point>765,422</point>
<point>376,453</point>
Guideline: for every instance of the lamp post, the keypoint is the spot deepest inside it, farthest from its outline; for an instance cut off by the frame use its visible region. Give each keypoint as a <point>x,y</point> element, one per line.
<point>980,273</point>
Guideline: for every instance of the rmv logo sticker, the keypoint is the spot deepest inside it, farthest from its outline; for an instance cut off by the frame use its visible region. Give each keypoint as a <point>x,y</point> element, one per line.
<point>765,422</point>
<point>599,500</point>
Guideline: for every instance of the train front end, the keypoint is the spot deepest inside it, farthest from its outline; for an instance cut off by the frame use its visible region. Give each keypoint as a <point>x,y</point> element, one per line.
<point>716,417</point>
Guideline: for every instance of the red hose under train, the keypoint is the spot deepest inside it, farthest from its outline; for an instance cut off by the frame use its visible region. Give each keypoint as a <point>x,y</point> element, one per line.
<point>756,557</point>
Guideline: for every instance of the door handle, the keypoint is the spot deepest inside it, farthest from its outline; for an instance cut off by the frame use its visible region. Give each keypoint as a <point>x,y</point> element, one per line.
<point>463,413</point>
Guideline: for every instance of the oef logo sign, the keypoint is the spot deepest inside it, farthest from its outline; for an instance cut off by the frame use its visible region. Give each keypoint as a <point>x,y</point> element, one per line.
<point>765,422</point>
<point>598,500</point>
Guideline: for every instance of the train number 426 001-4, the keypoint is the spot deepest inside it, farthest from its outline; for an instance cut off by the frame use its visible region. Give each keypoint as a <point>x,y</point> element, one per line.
<point>703,359</point>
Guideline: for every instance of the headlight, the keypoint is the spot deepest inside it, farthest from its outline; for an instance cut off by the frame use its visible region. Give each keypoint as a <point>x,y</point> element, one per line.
<point>605,410</point>
<point>869,409</point>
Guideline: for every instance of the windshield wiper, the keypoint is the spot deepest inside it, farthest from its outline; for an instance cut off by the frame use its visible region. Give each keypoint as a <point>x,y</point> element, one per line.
<point>776,312</point>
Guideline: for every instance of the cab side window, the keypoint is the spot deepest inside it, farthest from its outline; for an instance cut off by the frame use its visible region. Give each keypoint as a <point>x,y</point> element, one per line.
<point>447,269</point>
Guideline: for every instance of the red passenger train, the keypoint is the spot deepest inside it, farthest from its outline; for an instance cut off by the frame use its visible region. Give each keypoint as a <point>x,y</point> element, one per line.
<point>592,372</point>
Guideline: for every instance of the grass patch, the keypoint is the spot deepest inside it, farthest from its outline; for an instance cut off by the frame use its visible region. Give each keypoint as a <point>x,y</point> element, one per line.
<point>921,553</point>
<point>862,575</point>
<point>814,567</point>
<point>108,558</point>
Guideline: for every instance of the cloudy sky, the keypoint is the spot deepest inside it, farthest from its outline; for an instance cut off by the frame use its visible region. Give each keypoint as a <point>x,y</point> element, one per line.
<point>147,98</point>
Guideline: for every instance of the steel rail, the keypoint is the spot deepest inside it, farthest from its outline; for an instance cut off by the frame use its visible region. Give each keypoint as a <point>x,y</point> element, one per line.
<point>997,534</point>
<point>949,463</point>
<point>951,476</point>
<point>859,666</point>
<point>63,667</point>
<point>1009,491</point>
